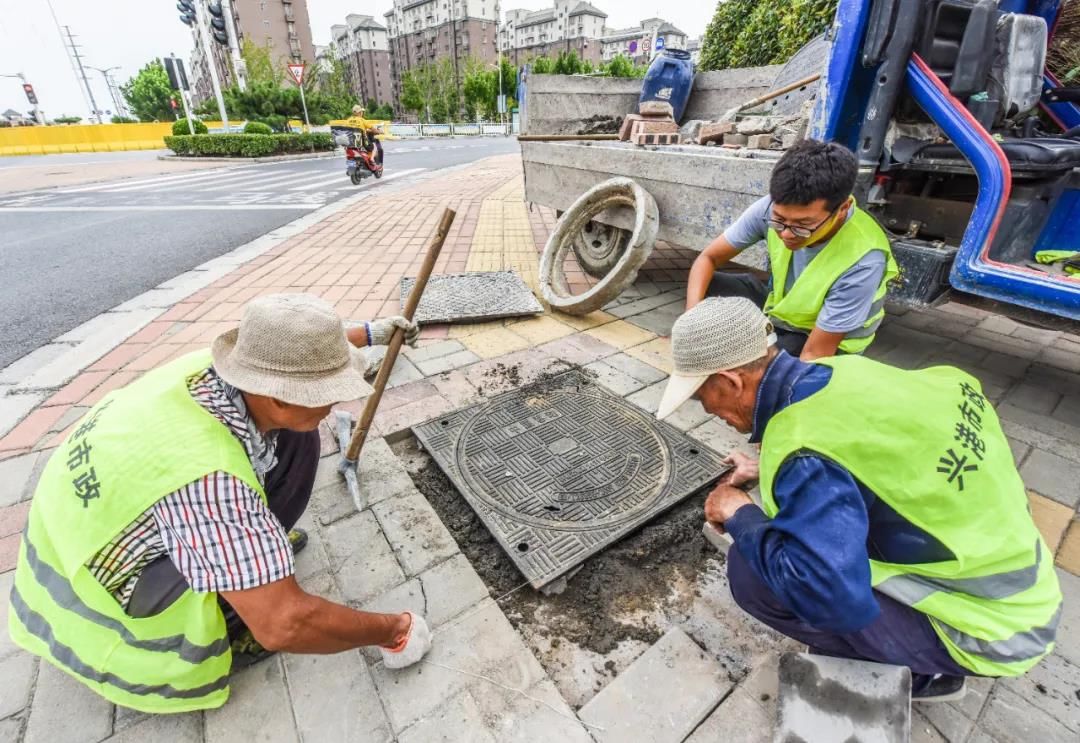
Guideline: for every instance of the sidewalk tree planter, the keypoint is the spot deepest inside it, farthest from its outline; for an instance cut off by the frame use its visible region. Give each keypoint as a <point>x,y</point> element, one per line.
<point>247,145</point>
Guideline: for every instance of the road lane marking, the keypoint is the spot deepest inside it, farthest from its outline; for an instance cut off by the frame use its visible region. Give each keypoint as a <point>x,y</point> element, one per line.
<point>165,208</point>
<point>128,183</point>
<point>344,180</point>
<point>254,182</point>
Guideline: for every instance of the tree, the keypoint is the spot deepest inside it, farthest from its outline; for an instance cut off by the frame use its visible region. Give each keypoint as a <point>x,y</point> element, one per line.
<point>261,66</point>
<point>622,66</point>
<point>431,91</point>
<point>148,93</point>
<point>747,33</point>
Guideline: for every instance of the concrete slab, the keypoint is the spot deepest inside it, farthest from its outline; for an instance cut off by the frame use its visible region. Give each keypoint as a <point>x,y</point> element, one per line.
<point>360,558</point>
<point>258,707</point>
<point>662,697</point>
<point>18,672</point>
<point>826,699</point>
<point>414,531</point>
<point>185,728</point>
<point>65,710</point>
<point>334,698</point>
<point>739,719</point>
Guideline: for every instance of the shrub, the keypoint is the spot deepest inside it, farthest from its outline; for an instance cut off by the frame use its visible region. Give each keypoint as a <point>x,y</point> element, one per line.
<point>748,33</point>
<point>257,127</point>
<point>180,127</point>
<point>247,145</point>
<point>124,120</point>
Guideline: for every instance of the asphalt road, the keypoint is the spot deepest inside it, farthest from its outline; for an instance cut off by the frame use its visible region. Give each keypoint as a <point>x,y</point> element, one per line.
<point>68,254</point>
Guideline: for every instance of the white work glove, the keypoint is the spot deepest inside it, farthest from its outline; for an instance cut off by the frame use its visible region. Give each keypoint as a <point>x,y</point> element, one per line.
<point>380,331</point>
<point>415,646</point>
<point>373,360</point>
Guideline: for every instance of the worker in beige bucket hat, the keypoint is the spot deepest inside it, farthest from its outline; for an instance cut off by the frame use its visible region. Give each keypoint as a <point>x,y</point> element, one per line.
<point>201,470</point>
<point>864,542</point>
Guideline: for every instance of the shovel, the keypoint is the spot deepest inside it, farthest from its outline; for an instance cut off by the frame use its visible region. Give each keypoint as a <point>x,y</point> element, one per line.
<point>352,441</point>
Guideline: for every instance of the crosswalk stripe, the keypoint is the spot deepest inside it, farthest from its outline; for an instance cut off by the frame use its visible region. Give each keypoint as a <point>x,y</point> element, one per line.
<point>197,183</point>
<point>253,182</point>
<point>344,181</point>
<point>308,206</point>
<point>129,184</point>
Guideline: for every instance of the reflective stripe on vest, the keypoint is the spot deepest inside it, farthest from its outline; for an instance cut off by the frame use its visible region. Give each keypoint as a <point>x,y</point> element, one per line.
<point>62,593</point>
<point>1027,645</point>
<point>36,625</point>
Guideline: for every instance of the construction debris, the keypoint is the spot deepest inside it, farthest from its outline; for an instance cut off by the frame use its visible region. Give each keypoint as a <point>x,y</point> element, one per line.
<point>760,141</point>
<point>657,108</point>
<point>736,139</point>
<point>714,132</point>
<point>656,139</point>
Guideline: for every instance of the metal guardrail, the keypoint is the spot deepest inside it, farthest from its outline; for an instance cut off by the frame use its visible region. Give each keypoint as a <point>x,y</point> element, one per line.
<point>460,129</point>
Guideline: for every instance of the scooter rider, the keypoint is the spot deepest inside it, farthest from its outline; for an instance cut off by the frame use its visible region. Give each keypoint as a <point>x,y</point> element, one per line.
<point>368,132</point>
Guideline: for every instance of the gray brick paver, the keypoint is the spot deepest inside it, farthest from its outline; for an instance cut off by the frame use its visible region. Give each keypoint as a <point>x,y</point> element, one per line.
<point>459,719</point>
<point>7,646</point>
<point>334,699</point>
<point>182,728</point>
<point>440,364</point>
<point>15,475</point>
<point>434,350</point>
<point>360,558</point>
<point>17,674</point>
<point>65,710</point>
<point>739,719</point>
<point>635,368</point>
<point>259,708</point>
<point>11,729</point>
<point>1035,398</point>
<point>1053,476</point>
<point>1051,687</point>
<point>616,381</point>
<point>415,532</point>
<point>1008,718</point>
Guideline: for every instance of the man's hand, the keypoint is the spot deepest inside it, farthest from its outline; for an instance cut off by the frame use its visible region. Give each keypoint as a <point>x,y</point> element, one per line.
<point>723,502</point>
<point>380,331</point>
<point>411,646</point>
<point>745,469</point>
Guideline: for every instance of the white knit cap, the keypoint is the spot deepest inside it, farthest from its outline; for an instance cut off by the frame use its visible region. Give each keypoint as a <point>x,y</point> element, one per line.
<point>718,334</point>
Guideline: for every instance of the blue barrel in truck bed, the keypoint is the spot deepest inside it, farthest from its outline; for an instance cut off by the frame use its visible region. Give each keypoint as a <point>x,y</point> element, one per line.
<point>670,79</point>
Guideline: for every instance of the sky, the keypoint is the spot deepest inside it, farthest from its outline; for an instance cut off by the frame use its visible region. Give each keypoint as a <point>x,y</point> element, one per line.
<point>130,33</point>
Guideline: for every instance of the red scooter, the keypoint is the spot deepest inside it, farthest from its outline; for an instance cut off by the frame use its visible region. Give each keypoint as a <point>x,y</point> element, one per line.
<point>364,157</point>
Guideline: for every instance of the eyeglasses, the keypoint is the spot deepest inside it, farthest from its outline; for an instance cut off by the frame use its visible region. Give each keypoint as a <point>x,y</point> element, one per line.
<point>804,232</point>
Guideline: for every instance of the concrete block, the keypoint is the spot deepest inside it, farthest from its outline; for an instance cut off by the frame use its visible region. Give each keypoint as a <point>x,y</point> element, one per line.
<point>739,140</point>
<point>1053,476</point>
<point>65,710</point>
<point>1009,718</point>
<point>258,707</point>
<point>480,642</point>
<point>434,350</point>
<point>447,363</point>
<point>334,698</point>
<point>332,503</point>
<point>382,475</point>
<point>18,672</point>
<point>629,708</point>
<point>643,140</point>
<point>182,728</point>
<point>312,560</point>
<point>643,304</point>
<point>415,532</point>
<point>721,540</point>
<point>760,141</point>
<point>11,729</point>
<point>715,132</point>
<point>740,719</point>
<point>16,474</point>
<point>660,320</point>
<point>620,383</point>
<point>654,126</point>
<point>656,108</point>
<point>829,699</point>
<point>458,719</point>
<point>361,558</point>
<point>922,731</point>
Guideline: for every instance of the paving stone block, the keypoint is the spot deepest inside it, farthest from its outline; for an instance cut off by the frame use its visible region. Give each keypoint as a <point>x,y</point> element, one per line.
<point>17,673</point>
<point>620,334</point>
<point>739,719</point>
<point>1068,411</point>
<point>1069,625</point>
<point>312,560</point>
<point>516,370</point>
<point>618,382</point>
<point>687,416</point>
<point>578,349</point>
<point>1068,555</point>
<point>1052,476</point>
<point>819,697</point>
<point>1020,450</point>
<point>332,503</point>
<point>392,423</point>
<point>951,722</point>
<point>361,558</point>
<point>538,330</point>
<point>1051,518</point>
<point>660,320</point>
<point>65,710</point>
<point>583,322</point>
<point>450,588</point>
<point>480,642</point>
<point>655,353</point>
<point>456,388</point>
<point>497,341</point>
<point>11,729</point>
<point>334,698</point>
<point>447,363</point>
<point>458,719</point>
<point>1051,687</point>
<point>513,718</point>
<point>629,708</point>
<point>1009,718</point>
<point>1003,363</point>
<point>16,474</point>
<point>1036,398</point>
<point>922,731</point>
<point>180,728</point>
<point>1040,432</point>
<point>7,646</point>
<point>258,708</point>
<point>645,304</point>
<point>720,437</point>
<point>635,368</point>
<point>433,350</point>
<point>415,532</point>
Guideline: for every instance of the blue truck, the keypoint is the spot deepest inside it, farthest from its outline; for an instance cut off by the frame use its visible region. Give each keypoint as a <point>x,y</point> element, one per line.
<point>969,149</point>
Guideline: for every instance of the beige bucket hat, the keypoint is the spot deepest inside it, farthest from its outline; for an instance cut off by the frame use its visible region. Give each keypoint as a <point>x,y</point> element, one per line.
<point>291,347</point>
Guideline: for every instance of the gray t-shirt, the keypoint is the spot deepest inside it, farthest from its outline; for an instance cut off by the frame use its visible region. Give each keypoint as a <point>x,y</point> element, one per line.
<point>847,305</point>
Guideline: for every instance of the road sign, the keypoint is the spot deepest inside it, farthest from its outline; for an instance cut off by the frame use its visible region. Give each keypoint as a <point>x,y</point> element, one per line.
<point>632,47</point>
<point>646,45</point>
<point>30,96</point>
<point>297,73</point>
<point>659,43</point>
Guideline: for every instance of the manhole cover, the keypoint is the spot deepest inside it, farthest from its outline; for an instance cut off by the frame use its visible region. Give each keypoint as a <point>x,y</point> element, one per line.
<point>561,469</point>
<point>465,297</point>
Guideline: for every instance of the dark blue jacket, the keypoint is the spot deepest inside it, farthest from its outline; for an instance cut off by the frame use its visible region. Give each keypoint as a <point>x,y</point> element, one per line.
<point>815,554</point>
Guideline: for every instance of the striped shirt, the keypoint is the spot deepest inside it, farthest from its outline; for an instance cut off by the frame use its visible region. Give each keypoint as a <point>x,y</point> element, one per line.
<point>216,530</point>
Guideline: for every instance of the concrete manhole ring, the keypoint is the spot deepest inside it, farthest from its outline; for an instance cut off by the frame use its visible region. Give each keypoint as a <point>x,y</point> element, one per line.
<point>613,193</point>
<point>599,246</point>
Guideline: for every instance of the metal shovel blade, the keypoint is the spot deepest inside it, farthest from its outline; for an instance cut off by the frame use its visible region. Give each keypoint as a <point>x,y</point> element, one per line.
<point>346,466</point>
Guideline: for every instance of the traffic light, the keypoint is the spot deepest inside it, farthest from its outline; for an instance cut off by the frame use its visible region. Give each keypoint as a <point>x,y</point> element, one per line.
<point>217,23</point>
<point>30,96</point>
<point>187,11</point>
<point>174,68</point>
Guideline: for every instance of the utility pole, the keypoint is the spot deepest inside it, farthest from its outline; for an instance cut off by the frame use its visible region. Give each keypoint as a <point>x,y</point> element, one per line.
<point>118,109</point>
<point>204,39</point>
<point>239,66</point>
<point>67,50</point>
<point>96,114</point>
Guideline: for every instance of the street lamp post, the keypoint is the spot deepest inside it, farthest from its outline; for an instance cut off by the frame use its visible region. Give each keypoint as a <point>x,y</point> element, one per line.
<point>118,107</point>
<point>29,92</point>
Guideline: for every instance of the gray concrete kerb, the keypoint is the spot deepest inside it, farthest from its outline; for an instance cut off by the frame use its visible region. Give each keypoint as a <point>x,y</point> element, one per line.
<point>272,159</point>
<point>28,380</point>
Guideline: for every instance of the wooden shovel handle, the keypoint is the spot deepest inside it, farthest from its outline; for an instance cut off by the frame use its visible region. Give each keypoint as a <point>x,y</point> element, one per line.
<point>398,338</point>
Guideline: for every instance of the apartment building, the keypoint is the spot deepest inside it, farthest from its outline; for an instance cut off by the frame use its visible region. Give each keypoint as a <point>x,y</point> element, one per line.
<point>425,31</point>
<point>642,42</point>
<point>568,26</point>
<point>363,44</point>
<point>283,25</point>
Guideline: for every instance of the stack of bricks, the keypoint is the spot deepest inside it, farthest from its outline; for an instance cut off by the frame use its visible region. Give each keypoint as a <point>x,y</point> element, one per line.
<point>654,124</point>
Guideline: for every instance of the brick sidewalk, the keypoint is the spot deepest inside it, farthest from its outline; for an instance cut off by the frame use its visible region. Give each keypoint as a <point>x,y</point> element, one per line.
<point>355,260</point>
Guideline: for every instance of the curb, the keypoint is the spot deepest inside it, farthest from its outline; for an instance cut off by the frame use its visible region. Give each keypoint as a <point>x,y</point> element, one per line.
<point>274,159</point>
<point>29,380</point>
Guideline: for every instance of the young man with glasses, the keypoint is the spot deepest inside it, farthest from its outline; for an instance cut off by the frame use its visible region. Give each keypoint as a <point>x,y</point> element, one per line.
<point>829,260</point>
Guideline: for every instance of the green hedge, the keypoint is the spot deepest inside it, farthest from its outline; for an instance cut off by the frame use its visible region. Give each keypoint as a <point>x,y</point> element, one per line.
<point>180,127</point>
<point>257,127</point>
<point>749,33</point>
<point>247,145</point>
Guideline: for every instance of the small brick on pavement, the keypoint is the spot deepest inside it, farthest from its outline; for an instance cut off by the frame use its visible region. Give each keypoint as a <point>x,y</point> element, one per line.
<point>1052,476</point>
<point>415,532</point>
<point>361,558</point>
<point>334,698</point>
<point>259,707</point>
<point>65,710</point>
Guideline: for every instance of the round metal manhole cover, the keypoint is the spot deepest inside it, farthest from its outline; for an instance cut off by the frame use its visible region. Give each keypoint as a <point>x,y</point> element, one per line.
<point>568,458</point>
<point>561,469</point>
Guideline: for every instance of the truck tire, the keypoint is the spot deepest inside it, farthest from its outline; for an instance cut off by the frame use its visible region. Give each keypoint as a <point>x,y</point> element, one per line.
<point>599,246</point>
<point>617,192</point>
